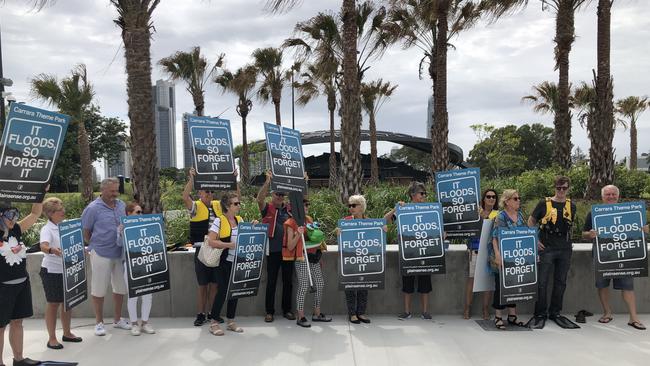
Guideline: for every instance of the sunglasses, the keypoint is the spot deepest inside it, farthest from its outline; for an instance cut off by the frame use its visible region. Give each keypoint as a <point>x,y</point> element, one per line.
<point>235,203</point>
<point>490,196</point>
<point>563,188</point>
<point>352,205</point>
<point>209,192</point>
<point>279,194</point>
<point>515,198</point>
<point>306,203</point>
<point>12,214</point>
<point>422,193</point>
<point>138,212</point>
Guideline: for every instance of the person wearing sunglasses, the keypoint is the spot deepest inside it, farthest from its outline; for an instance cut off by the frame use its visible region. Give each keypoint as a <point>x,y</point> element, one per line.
<point>52,273</point>
<point>489,210</point>
<point>275,213</point>
<point>510,216</point>
<point>15,287</point>
<point>142,326</point>
<point>555,217</point>
<point>417,191</point>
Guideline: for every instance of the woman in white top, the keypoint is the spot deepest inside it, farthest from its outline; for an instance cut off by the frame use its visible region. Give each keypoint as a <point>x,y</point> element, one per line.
<point>52,273</point>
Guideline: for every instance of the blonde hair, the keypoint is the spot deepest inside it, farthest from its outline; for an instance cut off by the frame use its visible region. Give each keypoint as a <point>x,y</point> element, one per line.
<point>359,200</point>
<point>51,205</point>
<point>505,196</point>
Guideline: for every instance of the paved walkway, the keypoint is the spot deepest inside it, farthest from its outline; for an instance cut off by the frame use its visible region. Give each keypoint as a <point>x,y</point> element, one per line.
<point>444,341</point>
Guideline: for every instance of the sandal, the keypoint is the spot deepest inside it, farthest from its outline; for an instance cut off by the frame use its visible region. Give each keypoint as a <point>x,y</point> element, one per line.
<point>498,322</point>
<point>232,326</point>
<point>636,325</point>
<point>512,319</point>
<point>605,319</point>
<point>216,330</point>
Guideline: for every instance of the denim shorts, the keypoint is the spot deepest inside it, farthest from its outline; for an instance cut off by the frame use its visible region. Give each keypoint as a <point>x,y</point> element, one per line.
<point>623,283</point>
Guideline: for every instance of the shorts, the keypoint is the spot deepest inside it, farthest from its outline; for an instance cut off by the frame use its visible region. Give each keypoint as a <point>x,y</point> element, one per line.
<point>15,302</point>
<point>104,271</point>
<point>52,285</point>
<point>472,256</point>
<point>424,284</point>
<point>204,274</point>
<point>623,283</point>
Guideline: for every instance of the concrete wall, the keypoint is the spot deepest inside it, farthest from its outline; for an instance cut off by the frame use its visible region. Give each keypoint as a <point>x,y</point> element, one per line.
<point>446,298</point>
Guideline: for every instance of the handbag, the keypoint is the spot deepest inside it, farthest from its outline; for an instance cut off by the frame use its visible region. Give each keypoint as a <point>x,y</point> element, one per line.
<point>208,255</point>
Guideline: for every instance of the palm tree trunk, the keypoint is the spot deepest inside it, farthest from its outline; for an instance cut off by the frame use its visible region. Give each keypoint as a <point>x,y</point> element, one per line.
<point>633,145</point>
<point>199,103</point>
<point>374,165</point>
<point>244,151</point>
<point>332,169</point>
<point>564,37</point>
<point>440,128</point>
<point>276,104</point>
<point>601,154</point>
<point>86,163</point>
<point>136,38</point>
<point>350,106</point>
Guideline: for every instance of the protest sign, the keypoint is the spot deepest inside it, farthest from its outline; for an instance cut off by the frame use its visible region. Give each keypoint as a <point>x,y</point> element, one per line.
<point>75,288</point>
<point>621,244</point>
<point>212,156</point>
<point>483,278</point>
<point>459,194</point>
<point>421,242</point>
<point>31,142</point>
<point>146,254</point>
<point>362,248</point>
<point>518,272</point>
<point>285,156</point>
<point>249,257</point>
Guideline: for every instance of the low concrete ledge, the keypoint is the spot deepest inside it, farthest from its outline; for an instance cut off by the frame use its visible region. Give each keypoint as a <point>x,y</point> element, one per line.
<point>446,298</point>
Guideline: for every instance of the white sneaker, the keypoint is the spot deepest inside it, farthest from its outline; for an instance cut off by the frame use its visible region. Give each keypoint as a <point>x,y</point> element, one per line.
<point>99,329</point>
<point>135,330</point>
<point>148,329</point>
<point>122,324</point>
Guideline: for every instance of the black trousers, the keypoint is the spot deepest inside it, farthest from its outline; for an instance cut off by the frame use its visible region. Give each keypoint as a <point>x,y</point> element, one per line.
<point>223,278</point>
<point>557,261</point>
<point>274,263</point>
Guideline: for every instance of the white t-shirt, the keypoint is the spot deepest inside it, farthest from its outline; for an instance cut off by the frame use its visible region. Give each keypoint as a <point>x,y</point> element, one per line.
<point>216,226</point>
<point>50,233</point>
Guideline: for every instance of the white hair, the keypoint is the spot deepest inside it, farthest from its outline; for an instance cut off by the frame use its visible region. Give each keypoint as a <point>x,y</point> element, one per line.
<point>609,186</point>
<point>107,181</point>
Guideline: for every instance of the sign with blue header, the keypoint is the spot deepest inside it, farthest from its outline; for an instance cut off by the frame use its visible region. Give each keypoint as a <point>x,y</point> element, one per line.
<point>518,272</point>
<point>459,192</point>
<point>421,240</point>
<point>362,248</point>
<point>284,149</point>
<point>621,245</point>
<point>146,254</point>
<point>212,153</point>
<point>75,287</point>
<point>249,258</point>
<point>31,142</point>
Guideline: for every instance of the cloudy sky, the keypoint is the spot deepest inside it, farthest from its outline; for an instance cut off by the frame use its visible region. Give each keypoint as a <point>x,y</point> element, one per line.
<point>491,68</point>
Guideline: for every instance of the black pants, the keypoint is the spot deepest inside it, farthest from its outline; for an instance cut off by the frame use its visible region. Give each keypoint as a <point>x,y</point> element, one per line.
<point>356,301</point>
<point>496,299</point>
<point>557,261</point>
<point>223,278</point>
<point>273,264</point>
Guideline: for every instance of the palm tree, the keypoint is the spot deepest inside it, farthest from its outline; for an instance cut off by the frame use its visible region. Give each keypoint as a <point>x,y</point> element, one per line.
<point>544,98</point>
<point>268,62</point>
<point>71,96</point>
<point>631,108</point>
<point>319,80</point>
<point>241,83</point>
<point>192,68</point>
<point>584,101</point>
<point>373,97</point>
<point>134,19</point>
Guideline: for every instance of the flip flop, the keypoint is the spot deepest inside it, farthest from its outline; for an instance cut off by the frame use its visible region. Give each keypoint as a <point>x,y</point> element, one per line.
<point>605,319</point>
<point>636,325</point>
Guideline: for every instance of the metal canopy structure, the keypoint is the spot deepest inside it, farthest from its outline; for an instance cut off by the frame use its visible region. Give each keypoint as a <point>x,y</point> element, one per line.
<point>418,143</point>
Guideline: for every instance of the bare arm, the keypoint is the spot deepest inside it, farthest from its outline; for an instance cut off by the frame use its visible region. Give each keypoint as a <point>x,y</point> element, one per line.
<point>187,191</point>
<point>215,242</point>
<point>264,191</point>
<point>531,221</point>
<point>29,220</point>
<point>293,237</point>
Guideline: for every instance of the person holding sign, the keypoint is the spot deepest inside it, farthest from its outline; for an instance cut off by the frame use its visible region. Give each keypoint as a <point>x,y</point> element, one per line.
<point>308,270</point>
<point>52,273</point>
<point>555,217</point>
<point>610,195</point>
<point>223,235</point>
<point>509,217</point>
<point>275,213</point>
<point>489,211</point>
<point>418,193</point>
<point>15,288</point>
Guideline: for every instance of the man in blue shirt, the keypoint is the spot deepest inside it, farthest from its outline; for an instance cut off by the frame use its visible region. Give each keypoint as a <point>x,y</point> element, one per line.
<point>100,221</point>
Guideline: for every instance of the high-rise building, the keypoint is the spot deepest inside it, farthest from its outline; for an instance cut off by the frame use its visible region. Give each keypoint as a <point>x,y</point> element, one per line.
<point>122,166</point>
<point>187,147</point>
<point>429,116</point>
<point>164,104</point>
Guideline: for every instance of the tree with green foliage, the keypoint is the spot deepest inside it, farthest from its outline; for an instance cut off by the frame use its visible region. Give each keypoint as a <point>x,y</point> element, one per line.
<point>268,62</point>
<point>417,159</point>
<point>631,108</point>
<point>373,97</point>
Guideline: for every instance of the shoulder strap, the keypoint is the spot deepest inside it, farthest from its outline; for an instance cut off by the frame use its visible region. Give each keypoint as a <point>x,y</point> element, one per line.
<point>548,215</point>
<point>567,210</point>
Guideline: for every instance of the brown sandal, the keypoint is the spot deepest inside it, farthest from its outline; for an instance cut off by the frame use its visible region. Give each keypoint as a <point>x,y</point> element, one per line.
<point>216,330</point>
<point>232,326</point>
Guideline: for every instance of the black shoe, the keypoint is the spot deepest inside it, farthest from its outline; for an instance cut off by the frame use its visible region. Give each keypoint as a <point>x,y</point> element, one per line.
<point>303,322</point>
<point>200,320</point>
<point>73,340</point>
<point>289,315</point>
<point>55,346</point>
<point>356,321</point>
<point>537,322</point>
<point>26,362</point>
<point>268,318</point>
<point>564,322</point>
<point>363,319</point>
<point>321,318</point>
